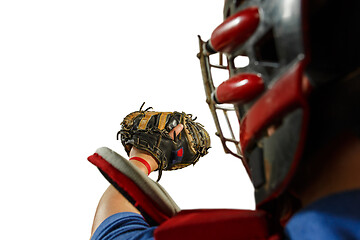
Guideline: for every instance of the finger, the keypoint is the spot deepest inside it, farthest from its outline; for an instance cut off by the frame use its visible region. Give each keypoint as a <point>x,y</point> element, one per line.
<point>176,130</point>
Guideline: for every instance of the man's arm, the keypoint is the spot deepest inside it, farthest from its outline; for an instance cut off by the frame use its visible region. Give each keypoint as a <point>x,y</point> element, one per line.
<point>112,201</point>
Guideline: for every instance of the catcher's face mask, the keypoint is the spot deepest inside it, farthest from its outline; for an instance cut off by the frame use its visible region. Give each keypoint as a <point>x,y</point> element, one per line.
<point>263,49</point>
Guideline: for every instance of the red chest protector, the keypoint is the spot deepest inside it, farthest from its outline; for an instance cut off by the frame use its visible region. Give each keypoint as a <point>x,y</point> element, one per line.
<point>216,224</point>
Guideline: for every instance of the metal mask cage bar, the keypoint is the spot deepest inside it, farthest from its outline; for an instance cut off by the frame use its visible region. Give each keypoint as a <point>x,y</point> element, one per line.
<point>210,89</point>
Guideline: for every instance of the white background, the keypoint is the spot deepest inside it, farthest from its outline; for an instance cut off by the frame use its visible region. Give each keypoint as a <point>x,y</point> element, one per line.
<point>70,71</point>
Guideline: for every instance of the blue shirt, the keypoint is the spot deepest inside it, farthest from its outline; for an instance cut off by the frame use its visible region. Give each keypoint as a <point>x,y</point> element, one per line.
<point>124,225</point>
<point>333,217</point>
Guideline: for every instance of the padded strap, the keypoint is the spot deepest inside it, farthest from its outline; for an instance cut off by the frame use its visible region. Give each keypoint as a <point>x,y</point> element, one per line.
<point>146,195</point>
<point>218,224</point>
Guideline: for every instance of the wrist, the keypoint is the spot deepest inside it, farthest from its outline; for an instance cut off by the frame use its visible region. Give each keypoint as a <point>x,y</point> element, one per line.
<point>142,159</point>
<point>141,163</point>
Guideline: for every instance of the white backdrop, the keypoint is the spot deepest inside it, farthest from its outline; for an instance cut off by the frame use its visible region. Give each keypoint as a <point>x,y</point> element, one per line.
<point>70,71</point>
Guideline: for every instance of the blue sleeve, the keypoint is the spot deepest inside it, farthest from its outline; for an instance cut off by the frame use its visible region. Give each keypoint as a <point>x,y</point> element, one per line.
<point>334,217</point>
<point>124,225</point>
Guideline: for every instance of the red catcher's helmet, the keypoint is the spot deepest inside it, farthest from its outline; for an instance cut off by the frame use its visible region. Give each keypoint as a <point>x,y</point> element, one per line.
<point>293,47</point>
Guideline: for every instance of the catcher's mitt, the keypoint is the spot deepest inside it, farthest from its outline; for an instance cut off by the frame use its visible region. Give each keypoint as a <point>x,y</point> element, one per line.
<point>149,131</point>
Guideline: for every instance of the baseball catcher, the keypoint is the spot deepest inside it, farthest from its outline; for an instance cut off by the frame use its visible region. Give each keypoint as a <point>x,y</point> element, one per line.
<point>297,103</point>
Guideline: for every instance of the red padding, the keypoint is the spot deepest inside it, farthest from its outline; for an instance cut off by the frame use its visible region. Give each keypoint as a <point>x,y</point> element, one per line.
<point>215,224</point>
<point>235,30</point>
<point>240,88</point>
<point>284,96</point>
<point>130,187</point>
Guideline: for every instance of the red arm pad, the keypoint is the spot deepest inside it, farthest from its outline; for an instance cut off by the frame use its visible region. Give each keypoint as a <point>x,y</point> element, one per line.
<point>147,196</point>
